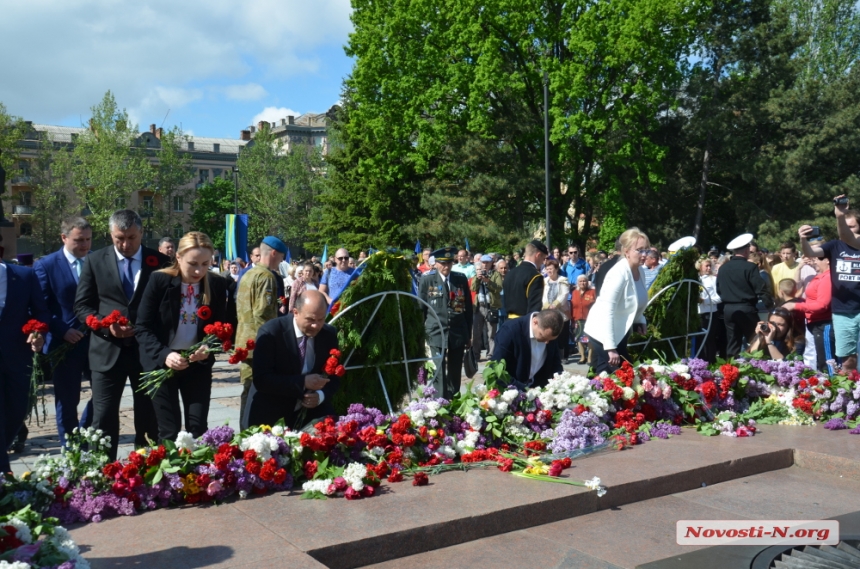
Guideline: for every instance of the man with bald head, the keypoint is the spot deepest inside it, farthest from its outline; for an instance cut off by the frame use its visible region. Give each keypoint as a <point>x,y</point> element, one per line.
<point>288,361</point>
<point>335,279</point>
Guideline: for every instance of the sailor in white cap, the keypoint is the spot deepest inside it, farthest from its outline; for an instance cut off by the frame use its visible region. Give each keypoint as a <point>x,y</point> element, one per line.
<point>740,286</point>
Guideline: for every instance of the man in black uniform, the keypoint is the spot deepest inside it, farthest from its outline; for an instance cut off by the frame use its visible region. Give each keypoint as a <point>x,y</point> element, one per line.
<point>523,287</point>
<point>740,286</point>
<point>449,295</point>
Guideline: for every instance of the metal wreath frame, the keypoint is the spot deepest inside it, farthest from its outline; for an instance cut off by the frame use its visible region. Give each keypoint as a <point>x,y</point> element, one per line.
<point>677,285</point>
<point>405,361</point>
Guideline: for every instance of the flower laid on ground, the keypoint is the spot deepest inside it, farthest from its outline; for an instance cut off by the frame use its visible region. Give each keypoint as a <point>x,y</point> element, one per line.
<point>217,340</point>
<point>29,540</point>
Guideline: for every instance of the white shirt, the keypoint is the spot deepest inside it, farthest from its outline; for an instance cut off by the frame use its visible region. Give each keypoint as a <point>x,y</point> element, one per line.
<point>310,357</point>
<point>136,261</point>
<point>4,285</point>
<point>538,350</point>
<point>186,330</point>
<point>72,262</point>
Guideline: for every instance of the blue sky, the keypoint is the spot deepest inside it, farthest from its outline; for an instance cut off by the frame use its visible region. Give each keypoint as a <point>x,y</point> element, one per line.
<point>216,66</point>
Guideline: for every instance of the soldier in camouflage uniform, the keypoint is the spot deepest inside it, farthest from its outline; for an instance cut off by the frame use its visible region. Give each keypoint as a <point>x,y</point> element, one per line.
<point>449,295</point>
<point>257,303</point>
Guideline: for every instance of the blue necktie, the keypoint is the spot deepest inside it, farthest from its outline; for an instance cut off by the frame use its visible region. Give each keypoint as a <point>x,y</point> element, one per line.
<point>128,279</point>
<point>303,349</point>
<point>78,263</point>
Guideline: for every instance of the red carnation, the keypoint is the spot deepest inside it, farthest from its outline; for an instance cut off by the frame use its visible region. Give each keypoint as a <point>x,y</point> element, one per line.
<point>227,345</point>
<point>395,476</point>
<point>340,371</point>
<point>335,308</point>
<point>335,353</point>
<point>420,479</point>
<point>204,313</point>
<point>34,326</point>
<point>280,476</point>
<point>93,322</point>
<point>250,345</point>
<point>151,261</point>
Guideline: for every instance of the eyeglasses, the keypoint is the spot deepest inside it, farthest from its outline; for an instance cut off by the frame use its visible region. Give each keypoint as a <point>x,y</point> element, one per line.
<point>342,258</point>
<point>643,251</point>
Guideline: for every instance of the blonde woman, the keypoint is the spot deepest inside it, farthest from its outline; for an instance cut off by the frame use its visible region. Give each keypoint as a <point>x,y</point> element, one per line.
<point>620,305</point>
<point>177,304</point>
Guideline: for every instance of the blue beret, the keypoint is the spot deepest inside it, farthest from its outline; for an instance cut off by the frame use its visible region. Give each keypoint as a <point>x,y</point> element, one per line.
<point>275,244</point>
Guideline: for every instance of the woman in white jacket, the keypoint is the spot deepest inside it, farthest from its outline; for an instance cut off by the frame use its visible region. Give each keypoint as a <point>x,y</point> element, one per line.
<point>620,305</point>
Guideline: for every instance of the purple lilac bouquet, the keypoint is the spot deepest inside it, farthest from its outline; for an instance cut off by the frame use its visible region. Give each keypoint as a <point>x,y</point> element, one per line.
<point>577,432</point>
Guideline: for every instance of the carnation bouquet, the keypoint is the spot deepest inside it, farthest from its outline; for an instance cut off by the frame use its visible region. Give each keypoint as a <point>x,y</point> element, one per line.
<point>217,340</point>
<point>29,540</point>
<point>35,329</point>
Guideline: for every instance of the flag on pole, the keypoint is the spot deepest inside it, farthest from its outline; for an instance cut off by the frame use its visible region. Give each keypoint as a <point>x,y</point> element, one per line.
<point>289,257</point>
<point>325,253</point>
<point>237,236</point>
<point>467,245</point>
<point>418,246</point>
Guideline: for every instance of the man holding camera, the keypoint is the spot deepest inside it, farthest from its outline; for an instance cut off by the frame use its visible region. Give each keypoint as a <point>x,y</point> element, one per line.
<point>486,287</point>
<point>844,256</point>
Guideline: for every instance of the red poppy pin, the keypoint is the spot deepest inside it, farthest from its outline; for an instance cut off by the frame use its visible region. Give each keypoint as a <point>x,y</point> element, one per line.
<point>204,313</point>
<point>152,260</point>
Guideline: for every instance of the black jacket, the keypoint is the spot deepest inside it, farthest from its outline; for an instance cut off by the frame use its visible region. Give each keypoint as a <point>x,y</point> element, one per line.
<point>513,344</point>
<point>523,288</point>
<point>278,379</point>
<point>100,292</point>
<point>158,317</point>
<point>739,282</point>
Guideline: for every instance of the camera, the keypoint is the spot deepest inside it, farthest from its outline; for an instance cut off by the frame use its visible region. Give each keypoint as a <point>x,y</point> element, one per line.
<point>840,201</point>
<point>816,232</point>
<point>764,328</point>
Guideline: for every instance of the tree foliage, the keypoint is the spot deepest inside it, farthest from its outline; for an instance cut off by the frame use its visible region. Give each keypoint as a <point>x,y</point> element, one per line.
<point>109,163</point>
<point>172,175</point>
<point>211,204</point>
<point>53,195</point>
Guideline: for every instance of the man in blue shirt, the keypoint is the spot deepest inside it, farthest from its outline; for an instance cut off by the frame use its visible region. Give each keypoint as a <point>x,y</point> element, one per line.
<point>575,265</point>
<point>651,267</point>
<point>335,279</point>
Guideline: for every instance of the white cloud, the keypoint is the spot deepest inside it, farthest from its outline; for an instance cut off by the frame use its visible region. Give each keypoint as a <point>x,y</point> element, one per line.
<point>157,54</point>
<point>273,114</point>
<point>248,92</point>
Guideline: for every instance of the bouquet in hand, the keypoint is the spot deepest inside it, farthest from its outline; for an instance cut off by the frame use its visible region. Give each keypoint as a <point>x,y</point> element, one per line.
<point>217,340</point>
<point>332,368</point>
<point>35,330</point>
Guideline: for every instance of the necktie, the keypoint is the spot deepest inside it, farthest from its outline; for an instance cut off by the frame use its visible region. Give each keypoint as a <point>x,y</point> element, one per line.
<point>128,279</point>
<point>303,347</point>
<point>447,290</point>
<point>78,263</point>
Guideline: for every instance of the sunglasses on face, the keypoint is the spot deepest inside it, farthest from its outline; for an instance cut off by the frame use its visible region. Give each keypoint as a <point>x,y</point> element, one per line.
<point>343,258</point>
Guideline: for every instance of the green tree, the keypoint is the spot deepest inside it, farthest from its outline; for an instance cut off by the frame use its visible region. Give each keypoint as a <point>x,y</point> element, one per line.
<point>278,188</point>
<point>171,181</point>
<point>12,130</point>
<point>476,70</point>
<point>53,195</point>
<point>109,163</point>
<point>212,203</point>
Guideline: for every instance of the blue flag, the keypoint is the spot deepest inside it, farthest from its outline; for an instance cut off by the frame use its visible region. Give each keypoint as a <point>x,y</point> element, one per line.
<point>289,257</point>
<point>325,253</point>
<point>237,236</point>
<point>467,245</point>
<point>418,246</point>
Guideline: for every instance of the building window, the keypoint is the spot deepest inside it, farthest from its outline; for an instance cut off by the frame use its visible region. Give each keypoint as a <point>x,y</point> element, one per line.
<point>204,176</point>
<point>178,232</point>
<point>119,203</point>
<point>26,198</point>
<point>178,204</point>
<point>218,173</point>
<point>148,204</point>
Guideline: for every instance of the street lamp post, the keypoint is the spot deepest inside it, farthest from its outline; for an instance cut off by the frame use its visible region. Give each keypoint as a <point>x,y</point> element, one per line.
<point>546,149</point>
<point>235,190</point>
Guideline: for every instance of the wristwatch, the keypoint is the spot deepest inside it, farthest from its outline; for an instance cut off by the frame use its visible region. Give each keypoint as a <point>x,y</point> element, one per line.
<point>771,343</point>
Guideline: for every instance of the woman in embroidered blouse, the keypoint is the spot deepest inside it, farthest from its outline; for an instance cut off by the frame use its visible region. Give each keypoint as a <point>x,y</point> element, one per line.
<point>176,306</point>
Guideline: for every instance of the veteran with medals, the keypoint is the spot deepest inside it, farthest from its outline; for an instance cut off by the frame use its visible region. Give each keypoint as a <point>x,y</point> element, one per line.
<point>450,297</point>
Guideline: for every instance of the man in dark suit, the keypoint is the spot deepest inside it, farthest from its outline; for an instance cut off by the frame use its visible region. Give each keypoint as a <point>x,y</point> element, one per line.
<point>529,348</point>
<point>523,287</point>
<point>288,360</point>
<point>58,275</point>
<point>20,301</point>
<point>450,296</point>
<point>114,278</point>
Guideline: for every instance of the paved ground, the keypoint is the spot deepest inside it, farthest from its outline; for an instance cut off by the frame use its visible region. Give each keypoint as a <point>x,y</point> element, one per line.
<point>224,409</point>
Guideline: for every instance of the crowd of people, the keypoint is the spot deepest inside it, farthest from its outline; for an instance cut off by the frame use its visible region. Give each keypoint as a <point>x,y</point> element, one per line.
<point>534,309</point>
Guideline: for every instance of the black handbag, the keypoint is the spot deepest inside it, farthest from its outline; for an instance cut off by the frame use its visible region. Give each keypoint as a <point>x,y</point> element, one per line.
<point>493,316</point>
<point>470,363</point>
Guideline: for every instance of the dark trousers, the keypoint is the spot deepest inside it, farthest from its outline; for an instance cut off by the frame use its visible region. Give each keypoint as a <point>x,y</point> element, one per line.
<point>449,371</point>
<point>825,344</point>
<point>740,322</point>
<point>715,339</point>
<point>14,399</point>
<point>564,341</point>
<point>195,385</point>
<point>68,378</point>
<point>107,396</point>
<point>601,358</point>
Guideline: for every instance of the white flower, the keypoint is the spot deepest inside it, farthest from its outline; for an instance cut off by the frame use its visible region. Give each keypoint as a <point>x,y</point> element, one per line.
<point>260,443</point>
<point>353,474</point>
<point>501,408</point>
<point>532,393</point>
<point>448,451</point>
<point>321,486</point>
<point>480,390</point>
<point>377,451</point>
<point>432,408</point>
<point>243,494</point>
<point>628,393</point>
<point>14,565</point>
<point>185,440</point>
<point>417,417</point>
<point>680,368</point>
<point>509,395</point>
<point>23,533</point>
<point>593,484</point>
<point>278,431</point>
<point>600,491</point>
